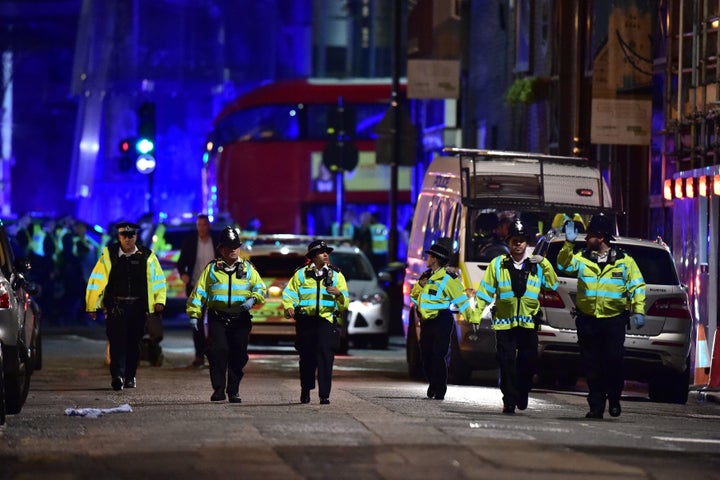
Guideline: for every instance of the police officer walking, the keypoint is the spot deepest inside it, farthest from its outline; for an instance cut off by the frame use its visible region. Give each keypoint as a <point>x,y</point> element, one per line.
<point>432,295</point>
<point>228,287</point>
<point>514,282</point>
<point>610,293</point>
<point>315,296</point>
<point>128,283</point>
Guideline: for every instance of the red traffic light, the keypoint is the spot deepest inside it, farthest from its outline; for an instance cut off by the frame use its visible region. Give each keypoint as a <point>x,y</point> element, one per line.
<point>125,145</point>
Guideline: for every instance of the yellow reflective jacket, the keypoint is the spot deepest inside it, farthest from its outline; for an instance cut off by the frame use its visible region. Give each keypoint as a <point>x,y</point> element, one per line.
<point>439,292</point>
<point>511,311</point>
<point>95,291</point>
<point>310,294</point>
<point>226,292</point>
<point>607,291</point>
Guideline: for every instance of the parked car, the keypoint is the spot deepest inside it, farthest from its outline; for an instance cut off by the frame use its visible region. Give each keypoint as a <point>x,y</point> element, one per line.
<point>20,339</point>
<point>276,257</point>
<point>657,354</point>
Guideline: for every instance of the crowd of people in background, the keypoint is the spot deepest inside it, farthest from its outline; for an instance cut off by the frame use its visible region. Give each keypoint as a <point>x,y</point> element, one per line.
<point>61,254</point>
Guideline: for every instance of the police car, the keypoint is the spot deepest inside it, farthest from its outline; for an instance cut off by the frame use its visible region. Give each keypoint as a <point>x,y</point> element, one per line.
<point>276,257</point>
<point>657,354</point>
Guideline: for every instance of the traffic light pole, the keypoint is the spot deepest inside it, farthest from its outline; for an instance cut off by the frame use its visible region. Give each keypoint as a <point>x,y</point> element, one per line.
<point>395,104</point>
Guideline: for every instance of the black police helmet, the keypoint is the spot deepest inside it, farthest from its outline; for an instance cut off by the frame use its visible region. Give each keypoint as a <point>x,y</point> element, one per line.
<point>603,225</point>
<point>517,229</point>
<point>230,238</point>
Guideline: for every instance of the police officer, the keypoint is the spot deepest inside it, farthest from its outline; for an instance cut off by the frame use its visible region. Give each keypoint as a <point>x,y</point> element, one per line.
<point>432,295</point>
<point>514,282</point>
<point>228,287</point>
<point>315,296</point>
<point>128,283</point>
<point>610,293</point>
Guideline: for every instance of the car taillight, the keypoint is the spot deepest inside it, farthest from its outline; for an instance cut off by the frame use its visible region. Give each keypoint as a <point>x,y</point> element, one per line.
<point>550,299</point>
<point>4,297</point>
<point>670,307</point>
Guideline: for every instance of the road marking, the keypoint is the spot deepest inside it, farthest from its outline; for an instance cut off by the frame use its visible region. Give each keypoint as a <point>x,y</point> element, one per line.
<point>687,440</point>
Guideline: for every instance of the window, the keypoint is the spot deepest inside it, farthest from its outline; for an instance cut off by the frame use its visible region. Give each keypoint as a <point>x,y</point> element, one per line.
<point>523,32</point>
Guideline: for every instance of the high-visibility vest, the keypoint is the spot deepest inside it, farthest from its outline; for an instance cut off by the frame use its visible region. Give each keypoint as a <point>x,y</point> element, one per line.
<point>305,291</point>
<point>379,238</point>
<point>511,311</point>
<point>605,291</point>
<point>156,286</point>
<point>225,291</point>
<point>439,292</point>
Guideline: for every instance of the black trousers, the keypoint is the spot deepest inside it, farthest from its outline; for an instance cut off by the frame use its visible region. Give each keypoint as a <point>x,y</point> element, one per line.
<point>125,327</point>
<point>434,348</point>
<point>601,342</point>
<point>313,341</point>
<point>228,350</point>
<point>517,353</point>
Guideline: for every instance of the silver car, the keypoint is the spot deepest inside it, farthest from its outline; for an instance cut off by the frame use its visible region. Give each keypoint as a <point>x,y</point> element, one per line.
<point>20,344</point>
<point>657,354</point>
<point>276,258</point>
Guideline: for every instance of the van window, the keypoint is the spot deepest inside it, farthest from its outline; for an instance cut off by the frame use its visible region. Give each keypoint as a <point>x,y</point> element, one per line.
<point>438,217</point>
<point>487,229</point>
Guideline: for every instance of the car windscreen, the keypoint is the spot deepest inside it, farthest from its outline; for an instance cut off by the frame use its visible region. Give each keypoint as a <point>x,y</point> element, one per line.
<point>353,266</point>
<point>657,266</point>
<point>277,265</point>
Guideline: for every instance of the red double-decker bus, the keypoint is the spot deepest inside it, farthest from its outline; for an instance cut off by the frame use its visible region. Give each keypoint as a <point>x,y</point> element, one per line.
<point>265,156</point>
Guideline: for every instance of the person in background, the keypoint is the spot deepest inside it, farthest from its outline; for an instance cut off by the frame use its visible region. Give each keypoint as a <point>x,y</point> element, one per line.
<point>196,253</point>
<point>128,283</point>
<point>379,235</point>
<point>432,295</point>
<point>228,287</point>
<point>513,281</point>
<point>316,296</point>
<point>610,295</point>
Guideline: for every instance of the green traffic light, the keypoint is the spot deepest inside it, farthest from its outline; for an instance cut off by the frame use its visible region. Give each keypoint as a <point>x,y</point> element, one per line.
<point>144,146</point>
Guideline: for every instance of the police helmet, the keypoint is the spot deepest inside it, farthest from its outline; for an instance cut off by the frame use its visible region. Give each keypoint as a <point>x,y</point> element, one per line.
<point>230,238</point>
<point>603,225</point>
<point>517,229</point>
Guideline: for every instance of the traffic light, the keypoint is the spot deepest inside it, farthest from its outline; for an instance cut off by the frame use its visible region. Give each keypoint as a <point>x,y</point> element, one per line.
<point>145,142</point>
<point>127,154</point>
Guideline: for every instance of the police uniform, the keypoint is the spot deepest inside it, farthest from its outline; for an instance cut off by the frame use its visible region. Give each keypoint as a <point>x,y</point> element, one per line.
<point>432,302</point>
<point>610,289</point>
<point>128,286</point>
<point>515,287</point>
<point>228,290</point>
<point>316,311</point>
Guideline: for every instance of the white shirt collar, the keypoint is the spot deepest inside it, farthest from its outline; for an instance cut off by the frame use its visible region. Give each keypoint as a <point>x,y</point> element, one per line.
<point>123,254</point>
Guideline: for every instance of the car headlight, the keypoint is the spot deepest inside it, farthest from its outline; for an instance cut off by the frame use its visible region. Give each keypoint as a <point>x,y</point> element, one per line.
<point>274,291</point>
<point>373,298</point>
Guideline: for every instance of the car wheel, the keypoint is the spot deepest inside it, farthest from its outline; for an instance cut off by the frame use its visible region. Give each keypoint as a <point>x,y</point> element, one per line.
<point>459,371</point>
<point>381,341</point>
<point>670,387</point>
<point>2,392</point>
<point>412,351</point>
<point>17,379</point>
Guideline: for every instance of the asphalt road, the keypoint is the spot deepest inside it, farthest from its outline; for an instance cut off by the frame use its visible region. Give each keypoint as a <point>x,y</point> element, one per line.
<point>379,425</point>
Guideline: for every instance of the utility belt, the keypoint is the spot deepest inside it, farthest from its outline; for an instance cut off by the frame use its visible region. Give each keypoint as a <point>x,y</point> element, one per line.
<point>228,318</point>
<point>440,314</point>
<point>582,316</point>
<point>121,306</point>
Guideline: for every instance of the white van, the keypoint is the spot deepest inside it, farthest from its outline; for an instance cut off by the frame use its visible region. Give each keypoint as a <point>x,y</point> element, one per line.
<point>467,196</point>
